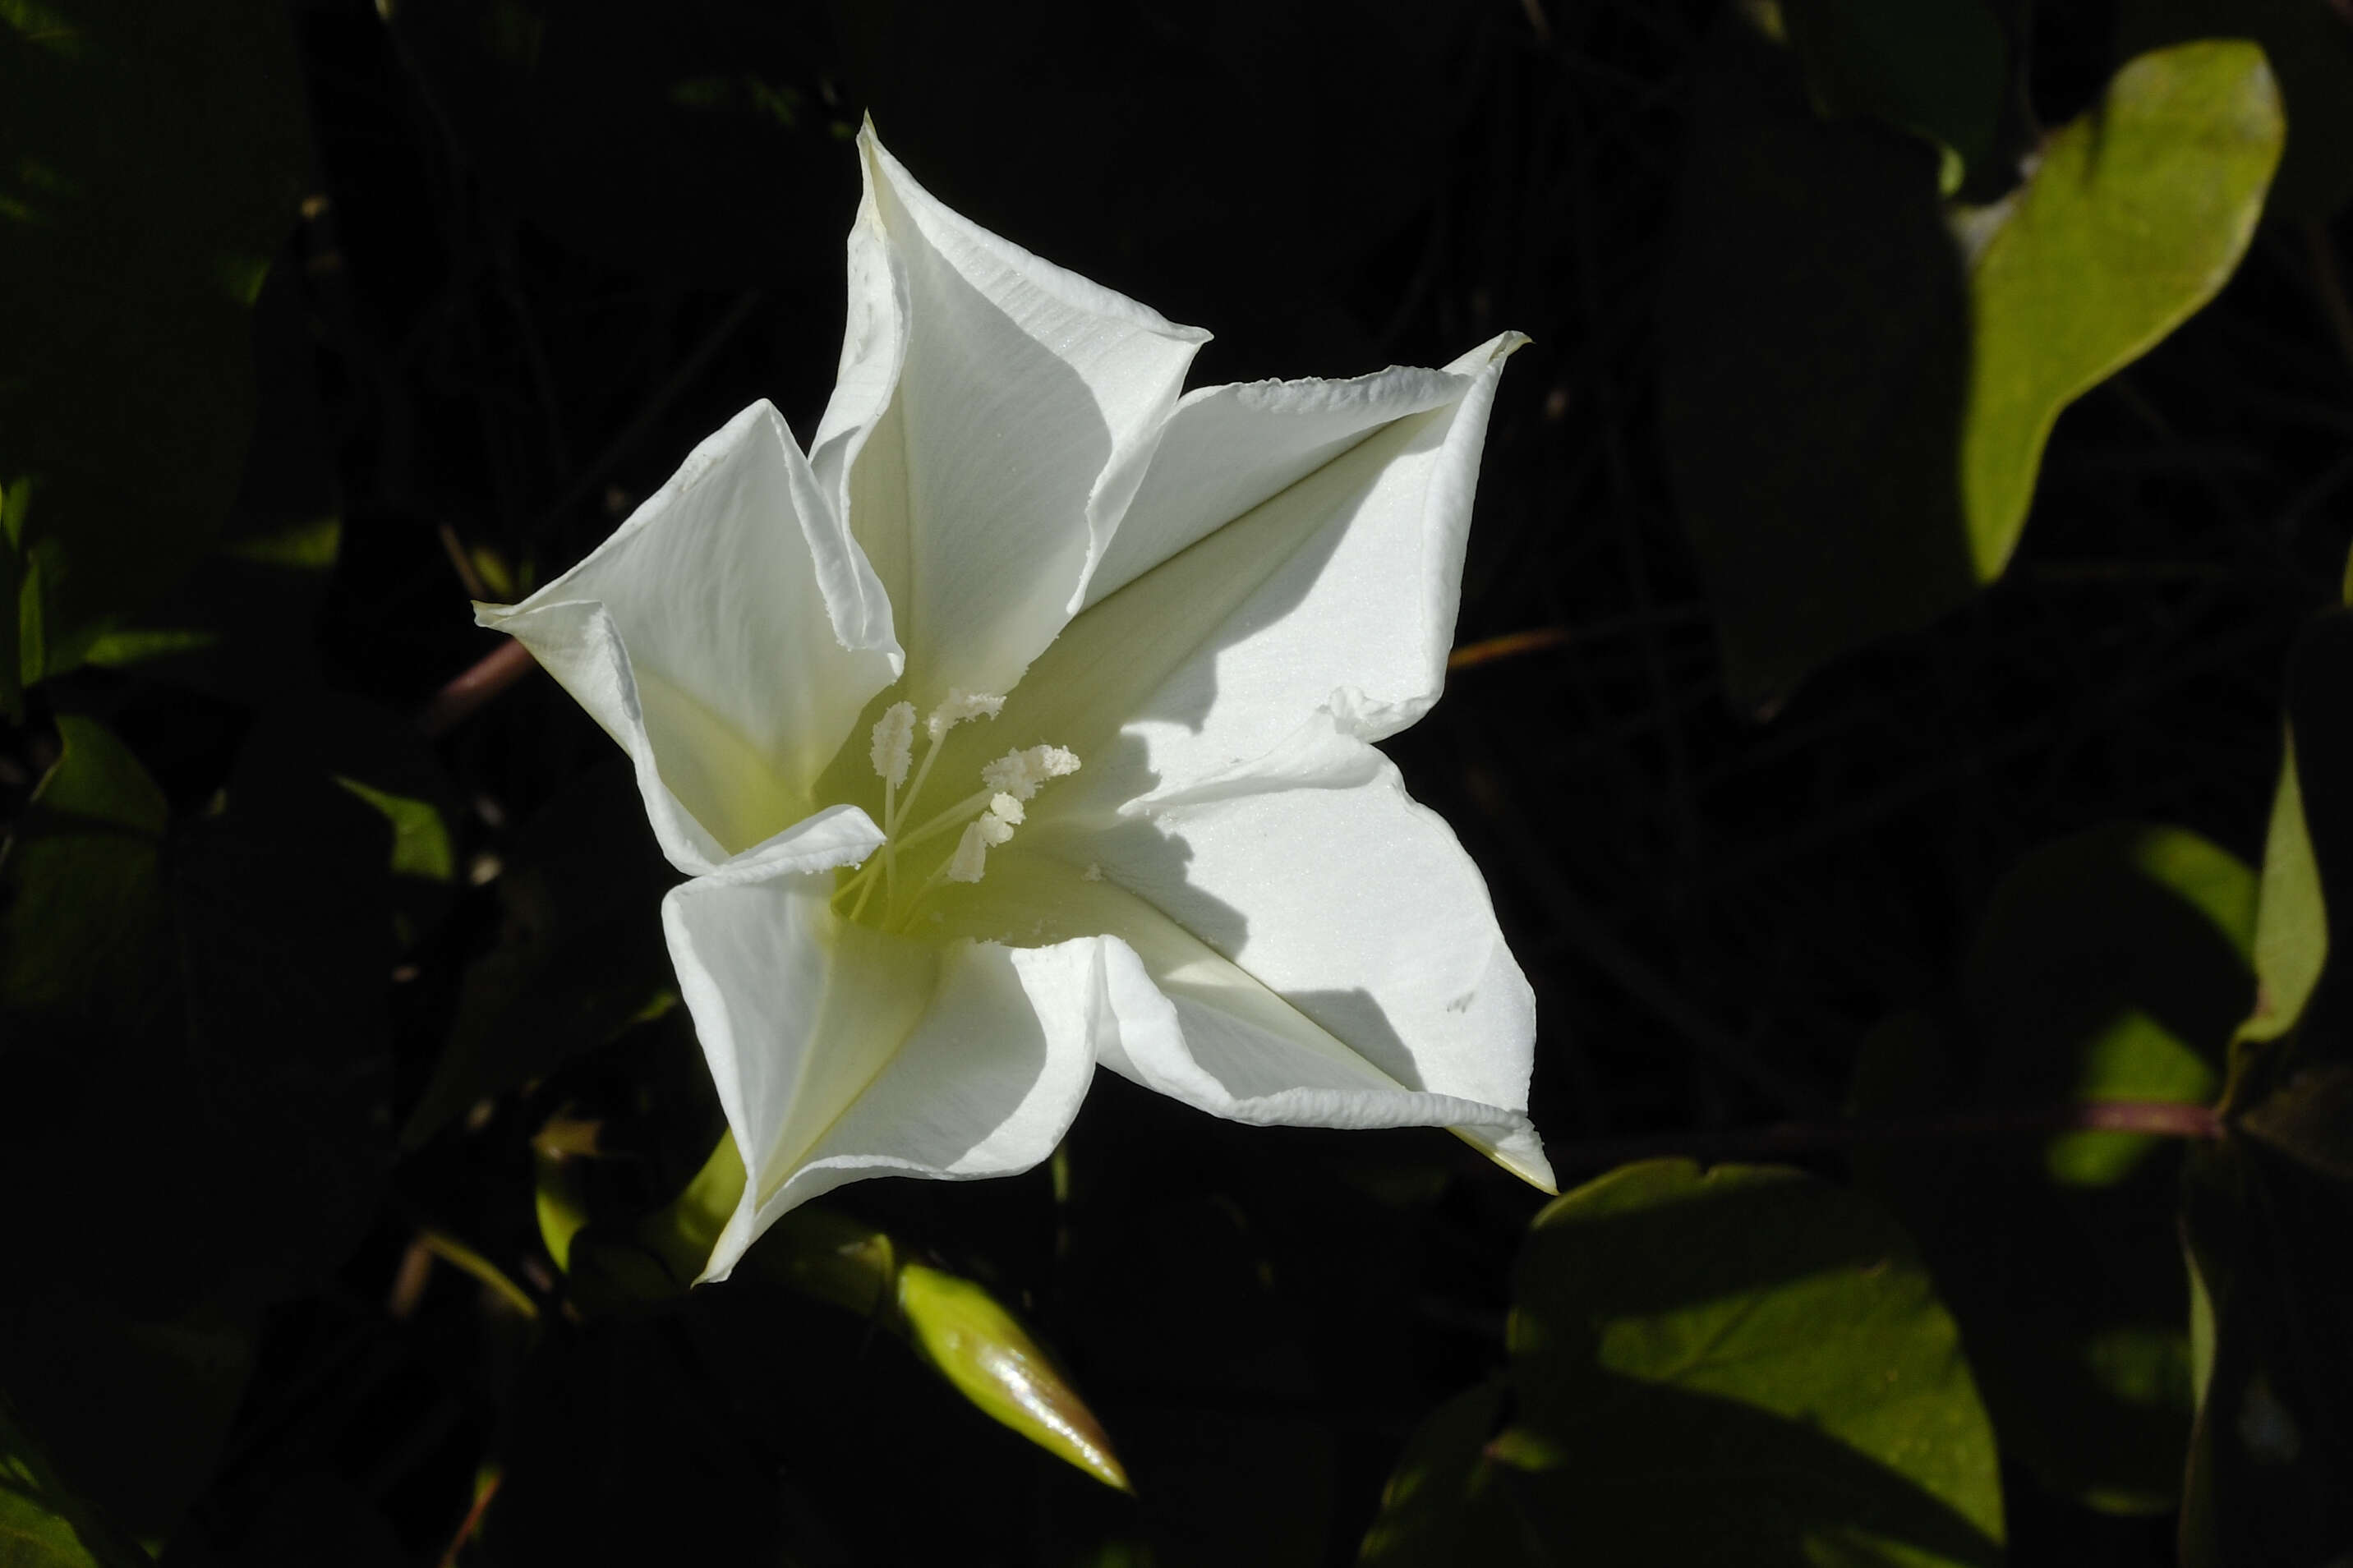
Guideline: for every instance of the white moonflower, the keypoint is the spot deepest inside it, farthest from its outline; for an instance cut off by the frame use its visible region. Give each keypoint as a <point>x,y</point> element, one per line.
<point>1025,724</point>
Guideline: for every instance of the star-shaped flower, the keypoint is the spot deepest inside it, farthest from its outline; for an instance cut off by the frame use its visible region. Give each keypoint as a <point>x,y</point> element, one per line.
<point>1025,722</point>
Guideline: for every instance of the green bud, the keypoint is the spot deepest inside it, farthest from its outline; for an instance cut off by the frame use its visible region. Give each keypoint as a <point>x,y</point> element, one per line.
<point>985,1352</point>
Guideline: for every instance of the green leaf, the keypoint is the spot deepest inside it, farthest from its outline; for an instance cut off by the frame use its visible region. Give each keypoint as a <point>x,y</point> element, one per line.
<point>2291,922</point>
<point>1936,68</point>
<point>1745,1365</point>
<point>420,838</point>
<point>1855,396</point>
<point>149,171</point>
<point>2310,45</point>
<point>2111,965</point>
<point>30,1535</point>
<point>2265,1213</point>
<point>42,1525</point>
<point>2136,215</point>
<point>82,917</point>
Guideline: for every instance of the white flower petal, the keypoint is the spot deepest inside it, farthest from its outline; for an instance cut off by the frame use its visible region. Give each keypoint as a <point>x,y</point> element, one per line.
<point>1338,593</point>
<point>1228,448</point>
<point>726,634</point>
<point>841,1053</point>
<point>1328,958</point>
<point>984,397</point>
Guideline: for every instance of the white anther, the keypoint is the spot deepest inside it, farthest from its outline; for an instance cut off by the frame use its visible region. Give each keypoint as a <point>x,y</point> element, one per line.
<point>959,706</point>
<point>971,857</point>
<point>1020,772</point>
<point>1006,807</point>
<point>894,743</point>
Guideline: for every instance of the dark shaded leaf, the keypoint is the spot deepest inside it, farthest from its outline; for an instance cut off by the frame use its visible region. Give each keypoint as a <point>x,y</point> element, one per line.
<point>152,167</point>
<point>581,958</point>
<point>1448,1501</point>
<point>1856,397</point>
<point>1939,69</point>
<point>2109,966</point>
<point>131,1415</point>
<point>1839,323</point>
<point>82,926</point>
<point>694,129</point>
<point>240,625</point>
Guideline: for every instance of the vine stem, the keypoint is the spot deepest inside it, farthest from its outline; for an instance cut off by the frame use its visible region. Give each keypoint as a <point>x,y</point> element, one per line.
<point>471,689</point>
<point>2156,1118</point>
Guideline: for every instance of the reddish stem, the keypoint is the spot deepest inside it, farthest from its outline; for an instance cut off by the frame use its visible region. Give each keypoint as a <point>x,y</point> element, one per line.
<point>469,690</point>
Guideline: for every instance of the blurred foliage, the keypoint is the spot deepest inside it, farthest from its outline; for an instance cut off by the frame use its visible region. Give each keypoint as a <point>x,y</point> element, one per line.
<point>1955,386</point>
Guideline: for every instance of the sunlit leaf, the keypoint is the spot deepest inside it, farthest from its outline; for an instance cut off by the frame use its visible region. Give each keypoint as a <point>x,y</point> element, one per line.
<point>149,171</point>
<point>1745,1365</point>
<point>2291,922</point>
<point>2136,215</point>
<point>2310,45</point>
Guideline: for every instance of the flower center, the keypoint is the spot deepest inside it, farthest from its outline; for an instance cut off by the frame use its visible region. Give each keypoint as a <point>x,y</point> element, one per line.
<point>987,816</point>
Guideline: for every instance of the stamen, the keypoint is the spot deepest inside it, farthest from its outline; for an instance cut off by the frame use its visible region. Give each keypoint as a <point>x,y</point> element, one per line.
<point>958,706</point>
<point>1020,773</point>
<point>894,743</point>
<point>1006,807</point>
<point>971,857</point>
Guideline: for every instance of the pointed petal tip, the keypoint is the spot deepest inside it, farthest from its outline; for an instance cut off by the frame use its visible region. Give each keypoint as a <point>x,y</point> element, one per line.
<point>1518,1151</point>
